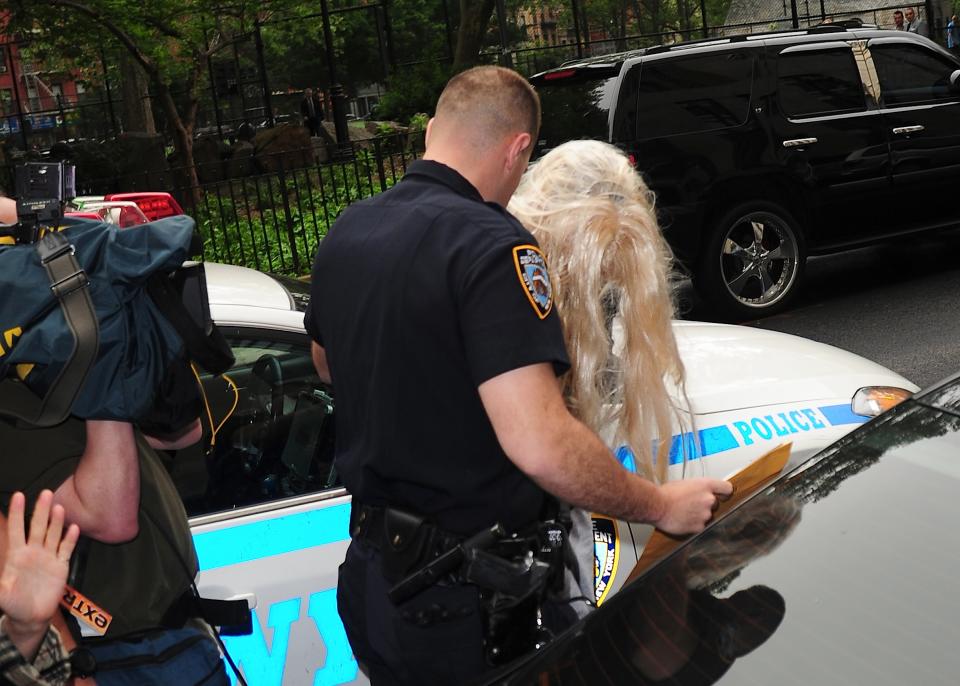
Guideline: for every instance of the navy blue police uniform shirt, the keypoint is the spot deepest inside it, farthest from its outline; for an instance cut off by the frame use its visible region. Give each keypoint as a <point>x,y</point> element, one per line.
<point>418,296</point>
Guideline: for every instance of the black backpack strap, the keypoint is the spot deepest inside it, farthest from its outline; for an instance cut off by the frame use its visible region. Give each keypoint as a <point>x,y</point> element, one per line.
<point>70,286</point>
<point>203,341</point>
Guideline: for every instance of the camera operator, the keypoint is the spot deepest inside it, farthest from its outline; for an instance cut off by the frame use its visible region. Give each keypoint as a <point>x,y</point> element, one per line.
<point>134,613</point>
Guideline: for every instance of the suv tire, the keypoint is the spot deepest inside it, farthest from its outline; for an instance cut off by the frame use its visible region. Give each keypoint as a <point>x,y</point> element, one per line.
<point>752,263</point>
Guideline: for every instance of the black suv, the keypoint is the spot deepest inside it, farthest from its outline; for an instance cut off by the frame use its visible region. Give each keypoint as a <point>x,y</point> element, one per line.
<point>766,148</point>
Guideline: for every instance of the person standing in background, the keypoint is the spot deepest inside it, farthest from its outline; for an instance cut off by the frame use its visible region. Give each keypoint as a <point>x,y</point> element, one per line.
<point>953,35</point>
<point>915,24</point>
<point>312,110</point>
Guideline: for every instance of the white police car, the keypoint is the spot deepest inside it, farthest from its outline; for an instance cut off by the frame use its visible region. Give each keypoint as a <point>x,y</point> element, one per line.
<point>270,518</point>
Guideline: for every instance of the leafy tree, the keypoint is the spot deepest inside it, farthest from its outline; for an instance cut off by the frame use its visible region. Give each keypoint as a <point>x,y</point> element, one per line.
<point>171,40</point>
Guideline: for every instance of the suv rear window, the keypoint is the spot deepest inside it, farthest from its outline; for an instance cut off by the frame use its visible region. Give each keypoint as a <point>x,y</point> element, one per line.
<point>812,82</point>
<point>693,94</point>
<point>574,106</point>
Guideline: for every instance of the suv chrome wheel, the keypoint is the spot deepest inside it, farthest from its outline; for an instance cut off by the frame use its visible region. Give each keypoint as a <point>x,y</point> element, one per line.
<point>759,259</point>
<point>752,264</point>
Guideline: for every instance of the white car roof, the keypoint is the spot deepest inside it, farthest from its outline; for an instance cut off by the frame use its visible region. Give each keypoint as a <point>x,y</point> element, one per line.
<point>727,366</point>
<point>245,297</point>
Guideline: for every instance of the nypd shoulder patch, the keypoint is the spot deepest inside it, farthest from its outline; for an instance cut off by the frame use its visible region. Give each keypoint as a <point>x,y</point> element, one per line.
<point>606,546</point>
<point>532,270</point>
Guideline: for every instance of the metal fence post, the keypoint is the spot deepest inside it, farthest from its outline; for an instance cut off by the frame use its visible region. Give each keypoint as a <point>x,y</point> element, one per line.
<point>377,150</point>
<point>288,216</point>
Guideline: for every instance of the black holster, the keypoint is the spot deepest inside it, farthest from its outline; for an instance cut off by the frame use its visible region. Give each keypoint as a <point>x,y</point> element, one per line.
<point>515,578</point>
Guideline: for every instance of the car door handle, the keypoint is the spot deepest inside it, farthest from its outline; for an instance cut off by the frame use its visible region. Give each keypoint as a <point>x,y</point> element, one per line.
<point>799,142</point>
<point>902,130</point>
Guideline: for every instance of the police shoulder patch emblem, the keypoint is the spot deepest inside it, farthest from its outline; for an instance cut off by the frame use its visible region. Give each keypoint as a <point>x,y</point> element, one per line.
<point>606,548</point>
<point>532,270</point>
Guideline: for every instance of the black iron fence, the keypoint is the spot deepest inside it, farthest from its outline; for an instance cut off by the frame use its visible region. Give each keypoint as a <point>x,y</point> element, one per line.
<point>274,220</point>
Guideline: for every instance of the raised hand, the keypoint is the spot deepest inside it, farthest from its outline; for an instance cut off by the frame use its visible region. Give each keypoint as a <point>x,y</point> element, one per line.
<point>35,570</point>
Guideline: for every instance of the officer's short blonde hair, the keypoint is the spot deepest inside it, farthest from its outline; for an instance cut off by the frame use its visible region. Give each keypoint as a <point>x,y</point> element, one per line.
<point>487,104</point>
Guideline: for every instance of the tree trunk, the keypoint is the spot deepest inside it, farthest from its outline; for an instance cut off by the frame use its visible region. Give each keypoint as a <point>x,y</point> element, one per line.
<point>137,107</point>
<point>186,179</point>
<point>474,20</point>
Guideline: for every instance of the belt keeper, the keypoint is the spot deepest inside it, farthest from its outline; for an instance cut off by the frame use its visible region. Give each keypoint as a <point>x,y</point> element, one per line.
<point>69,284</point>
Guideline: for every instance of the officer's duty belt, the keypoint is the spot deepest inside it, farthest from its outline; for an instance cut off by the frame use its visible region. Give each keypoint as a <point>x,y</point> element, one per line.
<point>406,541</point>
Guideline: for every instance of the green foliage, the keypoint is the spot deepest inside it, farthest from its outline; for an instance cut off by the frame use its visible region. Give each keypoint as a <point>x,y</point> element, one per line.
<point>412,90</point>
<point>385,129</point>
<point>259,222</point>
<point>418,122</point>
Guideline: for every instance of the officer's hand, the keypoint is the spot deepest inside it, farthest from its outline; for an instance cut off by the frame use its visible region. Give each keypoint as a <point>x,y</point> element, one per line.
<point>690,504</point>
<point>35,569</point>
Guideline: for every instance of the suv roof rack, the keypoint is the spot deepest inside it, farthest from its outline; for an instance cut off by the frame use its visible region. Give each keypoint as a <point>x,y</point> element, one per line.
<point>617,58</point>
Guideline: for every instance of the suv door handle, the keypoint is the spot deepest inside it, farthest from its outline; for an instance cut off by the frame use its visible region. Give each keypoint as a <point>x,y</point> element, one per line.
<point>901,130</point>
<point>799,142</point>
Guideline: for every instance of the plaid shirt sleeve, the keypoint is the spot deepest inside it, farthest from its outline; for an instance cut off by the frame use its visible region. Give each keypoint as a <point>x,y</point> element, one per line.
<point>51,666</point>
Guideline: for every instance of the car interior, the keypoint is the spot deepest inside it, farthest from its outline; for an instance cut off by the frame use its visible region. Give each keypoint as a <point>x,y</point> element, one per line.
<point>268,431</point>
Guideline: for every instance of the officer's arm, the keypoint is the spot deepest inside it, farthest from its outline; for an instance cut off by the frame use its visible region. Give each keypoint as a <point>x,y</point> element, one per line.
<point>320,361</point>
<point>103,493</point>
<point>564,457</point>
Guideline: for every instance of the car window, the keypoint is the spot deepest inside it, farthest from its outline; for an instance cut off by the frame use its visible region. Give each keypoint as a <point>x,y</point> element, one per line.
<point>818,82</point>
<point>574,106</point>
<point>268,427</point>
<point>691,94</point>
<point>912,74</point>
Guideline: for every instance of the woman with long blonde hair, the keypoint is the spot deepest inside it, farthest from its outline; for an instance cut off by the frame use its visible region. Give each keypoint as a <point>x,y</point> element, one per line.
<point>611,275</point>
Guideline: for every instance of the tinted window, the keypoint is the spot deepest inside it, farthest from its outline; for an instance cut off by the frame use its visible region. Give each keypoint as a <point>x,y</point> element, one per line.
<point>268,428</point>
<point>821,82</point>
<point>689,94</point>
<point>574,107</point>
<point>911,74</point>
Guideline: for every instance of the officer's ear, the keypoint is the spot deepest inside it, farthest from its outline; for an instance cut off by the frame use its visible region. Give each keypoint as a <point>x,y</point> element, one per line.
<point>518,151</point>
<point>426,136</point>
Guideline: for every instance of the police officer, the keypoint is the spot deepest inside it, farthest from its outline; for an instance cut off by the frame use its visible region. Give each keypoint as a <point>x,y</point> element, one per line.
<point>432,316</point>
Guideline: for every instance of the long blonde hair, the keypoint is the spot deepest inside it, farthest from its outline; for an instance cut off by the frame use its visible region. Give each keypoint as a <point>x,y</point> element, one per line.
<point>594,219</point>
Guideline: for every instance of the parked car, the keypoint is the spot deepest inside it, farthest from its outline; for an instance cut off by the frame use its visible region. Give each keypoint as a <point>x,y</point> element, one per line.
<point>766,148</point>
<point>153,204</point>
<point>123,213</point>
<point>270,517</point>
<point>840,572</point>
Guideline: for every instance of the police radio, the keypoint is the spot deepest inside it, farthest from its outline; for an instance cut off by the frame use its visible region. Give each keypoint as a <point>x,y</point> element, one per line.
<point>42,189</point>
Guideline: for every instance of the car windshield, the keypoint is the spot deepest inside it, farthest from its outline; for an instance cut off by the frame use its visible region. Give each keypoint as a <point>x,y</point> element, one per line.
<point>299,291</point>
<point>841,573</point>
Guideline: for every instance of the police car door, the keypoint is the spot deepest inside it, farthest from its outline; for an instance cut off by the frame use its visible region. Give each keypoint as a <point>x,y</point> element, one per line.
<point>269,518</point>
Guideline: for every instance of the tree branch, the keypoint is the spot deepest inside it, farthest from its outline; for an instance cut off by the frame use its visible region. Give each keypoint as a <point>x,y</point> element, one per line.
<point>118,33</point>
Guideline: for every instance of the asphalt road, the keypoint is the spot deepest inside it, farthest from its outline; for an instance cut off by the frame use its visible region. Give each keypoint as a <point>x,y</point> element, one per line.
<point>897,304</point>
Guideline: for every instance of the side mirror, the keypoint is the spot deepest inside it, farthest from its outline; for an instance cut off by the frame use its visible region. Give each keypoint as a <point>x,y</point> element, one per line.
<point>955,81</point>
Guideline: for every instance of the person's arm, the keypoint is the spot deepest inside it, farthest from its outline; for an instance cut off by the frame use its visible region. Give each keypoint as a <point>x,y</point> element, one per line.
<point>102,496</point>
<point>319,356</point>
<point>187,436</point>
<point>8,211</point>
<point>565,458</point>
